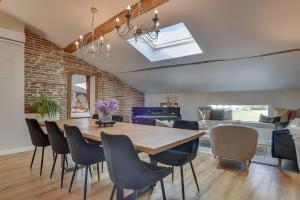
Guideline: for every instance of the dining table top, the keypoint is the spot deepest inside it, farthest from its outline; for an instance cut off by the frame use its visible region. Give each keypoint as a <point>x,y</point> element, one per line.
<point>145,138</point>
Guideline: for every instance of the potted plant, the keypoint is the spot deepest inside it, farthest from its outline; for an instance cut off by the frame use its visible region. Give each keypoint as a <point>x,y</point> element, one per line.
<point>105,108</point>
<point>47,108</point>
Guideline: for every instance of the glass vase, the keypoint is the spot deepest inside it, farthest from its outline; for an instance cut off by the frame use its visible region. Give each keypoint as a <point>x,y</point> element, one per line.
<point>105,117</point>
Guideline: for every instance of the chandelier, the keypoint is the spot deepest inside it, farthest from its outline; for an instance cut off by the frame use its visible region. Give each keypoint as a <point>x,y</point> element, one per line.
<point>139,32</point>
<point>91,44</point>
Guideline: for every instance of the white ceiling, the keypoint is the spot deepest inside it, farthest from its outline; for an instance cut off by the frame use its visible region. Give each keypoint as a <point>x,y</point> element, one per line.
<point>62,21</point>
<point>224,29</point>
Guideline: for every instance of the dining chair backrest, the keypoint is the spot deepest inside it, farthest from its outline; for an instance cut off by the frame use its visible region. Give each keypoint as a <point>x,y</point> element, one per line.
<point>117,118</point>
<point>77,144</point>
<point>56,137</point>
<point>144,121</point>
<point>191,146</point>
<point>95,116</point>
<point>37,135</point>
<point>185,124</point>
<point>124,166</point>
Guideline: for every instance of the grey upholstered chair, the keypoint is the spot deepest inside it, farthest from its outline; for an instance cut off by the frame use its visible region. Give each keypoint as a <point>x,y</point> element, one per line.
<point>233,142</point>
<point>38,139</point>
<point>83,153</point>
<point>125,168</point>
<point>59,145</point>
<point>182,154</point>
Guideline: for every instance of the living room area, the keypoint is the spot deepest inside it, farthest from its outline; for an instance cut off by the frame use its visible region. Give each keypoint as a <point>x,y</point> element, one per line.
<point>264,111</point>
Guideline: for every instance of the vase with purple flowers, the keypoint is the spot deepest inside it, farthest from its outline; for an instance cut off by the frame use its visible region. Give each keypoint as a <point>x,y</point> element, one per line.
<point>105,108</point>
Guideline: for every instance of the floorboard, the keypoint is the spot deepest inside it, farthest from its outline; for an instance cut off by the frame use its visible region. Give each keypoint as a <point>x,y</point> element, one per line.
<point>230,182</point>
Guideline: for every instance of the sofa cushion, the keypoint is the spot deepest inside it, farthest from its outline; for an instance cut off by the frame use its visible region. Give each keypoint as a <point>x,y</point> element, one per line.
<point>228,115</point>
<point>265,119</point>
<point>217,114</point>
<point>283,113</point>
<point>297,113</point>
<point>292,114</point>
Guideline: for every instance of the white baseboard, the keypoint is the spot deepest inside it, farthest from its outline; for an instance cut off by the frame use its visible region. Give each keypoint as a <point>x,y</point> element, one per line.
<point>16,150</point>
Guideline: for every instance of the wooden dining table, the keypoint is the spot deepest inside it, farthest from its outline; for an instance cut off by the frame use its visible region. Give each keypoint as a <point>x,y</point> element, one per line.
<point>148,139</point>
<point>145,138</point>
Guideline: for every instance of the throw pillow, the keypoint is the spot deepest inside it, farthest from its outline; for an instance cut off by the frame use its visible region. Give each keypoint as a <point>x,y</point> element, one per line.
<point>275,119</point>
<point>265,119</point>
<point>292,114</point>
<point>298,113</point>
<point>217,114</point>
<point>228,115</point>
<point>282,113</point>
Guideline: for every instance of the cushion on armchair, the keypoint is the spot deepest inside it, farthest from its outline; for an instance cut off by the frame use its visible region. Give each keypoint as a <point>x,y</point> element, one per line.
<point>267,119</point>
<point>217,114</point>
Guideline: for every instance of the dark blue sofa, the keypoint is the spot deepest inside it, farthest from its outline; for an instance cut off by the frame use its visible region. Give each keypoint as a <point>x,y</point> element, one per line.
<point>283,146</point>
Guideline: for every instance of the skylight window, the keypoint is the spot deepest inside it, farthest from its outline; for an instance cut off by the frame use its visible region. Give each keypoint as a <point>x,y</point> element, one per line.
<point>173,42</point>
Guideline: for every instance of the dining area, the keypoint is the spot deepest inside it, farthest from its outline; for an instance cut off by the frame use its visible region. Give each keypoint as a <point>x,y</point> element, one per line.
<point>134,158</point>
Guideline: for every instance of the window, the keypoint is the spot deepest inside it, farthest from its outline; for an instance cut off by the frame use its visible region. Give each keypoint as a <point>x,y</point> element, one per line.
<point>245,112</point>
<point>173,42</point>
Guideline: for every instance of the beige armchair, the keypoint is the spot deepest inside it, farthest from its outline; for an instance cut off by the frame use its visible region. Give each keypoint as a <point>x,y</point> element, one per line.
<point>233,142</point>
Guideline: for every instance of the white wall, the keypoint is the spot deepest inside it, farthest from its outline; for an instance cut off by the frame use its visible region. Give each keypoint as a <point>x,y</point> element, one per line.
<point>189,102</point>
<point>11,23</point>
<point>14,136</point>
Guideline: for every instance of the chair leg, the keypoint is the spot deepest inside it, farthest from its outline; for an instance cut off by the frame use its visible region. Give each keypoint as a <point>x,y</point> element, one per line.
<point>102,166</point>
<point>112,193</point>
<point>194,174</point>
<point>62,170</point>
<point>74,172</point>
<point>33,157</point>
<point>134,195</point>
<point>245,165</point>
<point>53,166</point>
<point>90,171</point>
<point>67,161</point>
<point>120,193</point>
<point>42,161</point>
<point>163,189</point>
<point>279,163</point>
<point>85,180</point>
<point>182,182</point>
<point>172,174</point>
<point>219,163</point>
<point>98,171</point>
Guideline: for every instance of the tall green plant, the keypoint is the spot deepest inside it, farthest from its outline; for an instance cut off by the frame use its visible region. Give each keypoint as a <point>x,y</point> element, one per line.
<point>46,105</point>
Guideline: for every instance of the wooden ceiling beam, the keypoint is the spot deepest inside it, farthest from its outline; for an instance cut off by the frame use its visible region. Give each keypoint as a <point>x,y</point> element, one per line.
<point>109,26</point>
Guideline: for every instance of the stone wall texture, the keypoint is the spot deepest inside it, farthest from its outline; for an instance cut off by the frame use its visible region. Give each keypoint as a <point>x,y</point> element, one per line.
<point>45,73</point>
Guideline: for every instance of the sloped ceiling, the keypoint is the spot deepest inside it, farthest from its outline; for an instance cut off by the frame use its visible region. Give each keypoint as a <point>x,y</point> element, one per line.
<point>224,29</point>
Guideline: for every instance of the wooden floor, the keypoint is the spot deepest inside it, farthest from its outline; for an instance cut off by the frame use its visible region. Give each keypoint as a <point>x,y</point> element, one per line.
<point>261,182</point>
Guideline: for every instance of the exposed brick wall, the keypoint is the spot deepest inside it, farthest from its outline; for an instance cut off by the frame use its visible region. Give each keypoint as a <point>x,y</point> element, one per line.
<point>114,88</point>
<point>44,72</point>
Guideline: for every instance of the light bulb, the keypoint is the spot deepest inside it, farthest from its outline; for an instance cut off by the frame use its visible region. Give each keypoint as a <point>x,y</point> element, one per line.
<point>128,7</point>
<point>156,11</point>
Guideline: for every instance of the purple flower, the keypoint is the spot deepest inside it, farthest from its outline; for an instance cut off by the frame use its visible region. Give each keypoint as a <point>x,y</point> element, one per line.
<point>106,106</point>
